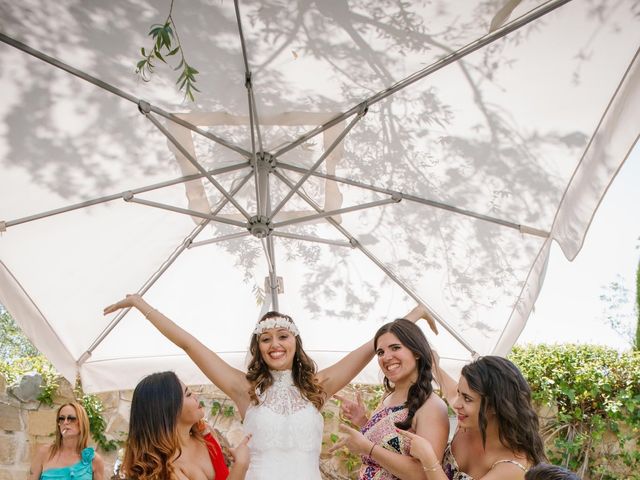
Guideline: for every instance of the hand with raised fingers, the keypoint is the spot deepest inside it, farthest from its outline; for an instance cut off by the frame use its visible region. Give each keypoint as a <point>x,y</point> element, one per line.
<point>354,412</point>
<point>355,441</point>
<point>420,311</point>
<point>421,448</point>
<point>130,301</point>
<point>240,453</point>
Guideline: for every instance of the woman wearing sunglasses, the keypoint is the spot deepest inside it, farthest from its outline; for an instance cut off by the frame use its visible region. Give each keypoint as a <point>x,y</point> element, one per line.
<point>68,457</point>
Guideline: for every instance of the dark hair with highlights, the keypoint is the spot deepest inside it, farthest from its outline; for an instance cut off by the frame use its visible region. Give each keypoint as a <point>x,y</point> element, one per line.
<point>412,338</point>
<point>544,471</point>
<point>506,393</point>
<point>153,438</point>
<point>304,370</point>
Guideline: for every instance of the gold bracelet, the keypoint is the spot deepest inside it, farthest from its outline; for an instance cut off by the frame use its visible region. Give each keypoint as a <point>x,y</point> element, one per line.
<point>371,451</point>
<point>146,315</point>
<point>432,468</point>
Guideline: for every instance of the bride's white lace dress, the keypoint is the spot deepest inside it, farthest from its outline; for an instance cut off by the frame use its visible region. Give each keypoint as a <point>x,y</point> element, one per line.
<point>286,433</point>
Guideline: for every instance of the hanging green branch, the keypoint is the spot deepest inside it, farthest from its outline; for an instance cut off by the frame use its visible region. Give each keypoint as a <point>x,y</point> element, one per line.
<point>166,43</point>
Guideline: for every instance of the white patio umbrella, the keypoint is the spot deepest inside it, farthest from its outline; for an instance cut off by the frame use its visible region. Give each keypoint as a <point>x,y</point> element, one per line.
<point>343,161</point>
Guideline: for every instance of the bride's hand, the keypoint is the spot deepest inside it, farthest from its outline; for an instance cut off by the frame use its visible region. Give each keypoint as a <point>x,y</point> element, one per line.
<point>129,301</point>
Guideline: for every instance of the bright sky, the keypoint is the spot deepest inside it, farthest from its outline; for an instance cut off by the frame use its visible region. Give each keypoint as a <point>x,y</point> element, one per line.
<point>569,308</point>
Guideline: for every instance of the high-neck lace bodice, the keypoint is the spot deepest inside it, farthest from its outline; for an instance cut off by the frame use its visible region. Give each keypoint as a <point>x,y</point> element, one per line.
<point>286,433</point>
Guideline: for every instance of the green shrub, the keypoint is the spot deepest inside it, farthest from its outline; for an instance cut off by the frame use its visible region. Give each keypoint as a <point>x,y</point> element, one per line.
<point>596,393</point>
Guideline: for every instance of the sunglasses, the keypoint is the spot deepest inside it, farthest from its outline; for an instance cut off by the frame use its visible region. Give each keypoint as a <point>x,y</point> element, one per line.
<point>63,418</point>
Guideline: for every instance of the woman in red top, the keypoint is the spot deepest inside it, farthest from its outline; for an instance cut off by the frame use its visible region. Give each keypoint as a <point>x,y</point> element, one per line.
<point>167,439</point>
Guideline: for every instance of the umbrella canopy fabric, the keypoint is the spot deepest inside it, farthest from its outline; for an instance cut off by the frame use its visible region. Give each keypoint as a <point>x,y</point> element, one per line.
<point>343,161</point>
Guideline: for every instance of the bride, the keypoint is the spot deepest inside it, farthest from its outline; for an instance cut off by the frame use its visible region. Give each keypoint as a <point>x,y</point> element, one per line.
<point>279,397</point>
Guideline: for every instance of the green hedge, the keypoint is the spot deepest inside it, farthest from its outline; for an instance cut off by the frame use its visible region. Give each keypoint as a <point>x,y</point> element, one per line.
<point>593,396</point>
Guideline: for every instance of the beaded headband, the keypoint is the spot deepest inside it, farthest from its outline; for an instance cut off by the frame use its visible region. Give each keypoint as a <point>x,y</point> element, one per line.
<point>276,322</point>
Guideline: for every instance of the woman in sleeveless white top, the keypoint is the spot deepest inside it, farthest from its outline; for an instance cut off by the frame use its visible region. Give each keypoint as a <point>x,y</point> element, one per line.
<point>286,433</point>
<point>497,437</point>
<point>281,413</point>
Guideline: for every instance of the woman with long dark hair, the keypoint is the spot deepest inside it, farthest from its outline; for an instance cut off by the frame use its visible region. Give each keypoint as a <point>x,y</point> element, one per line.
<point>68,457</point>
<point>497,435</point>
<point>405,358</point>
<point>168,439</point>
<point>280,396</point>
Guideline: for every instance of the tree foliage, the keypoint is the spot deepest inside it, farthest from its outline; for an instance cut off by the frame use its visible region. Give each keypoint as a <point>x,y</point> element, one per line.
<point>593,393</point>
<point>636,343</point>
<point>166,43</point>
<point>13,343</point>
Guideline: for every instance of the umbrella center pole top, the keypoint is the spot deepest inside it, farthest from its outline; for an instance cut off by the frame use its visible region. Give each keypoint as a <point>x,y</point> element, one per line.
<point>259,225</point>
<point>264,162</point>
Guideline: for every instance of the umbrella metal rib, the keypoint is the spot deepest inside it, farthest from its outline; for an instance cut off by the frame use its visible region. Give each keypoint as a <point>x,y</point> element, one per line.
<point>322,158</point>
<point>339,211</point>
<point>254,124</point>
<point>308,238</point>
<point>163,268</point>
<point>185,211</point>
<point>142,104</point>
<point>223,238</point>
<point>117,196</point>
<point>196,164</point>
<point>434,67</point>
<point>353,241</point>
<point>413,198</point>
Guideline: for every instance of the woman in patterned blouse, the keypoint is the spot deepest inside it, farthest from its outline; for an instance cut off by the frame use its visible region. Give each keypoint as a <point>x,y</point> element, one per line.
<point>406,360</point>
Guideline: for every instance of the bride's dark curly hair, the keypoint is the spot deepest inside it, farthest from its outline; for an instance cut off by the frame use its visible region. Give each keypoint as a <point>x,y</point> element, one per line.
<point>505,393</point>
<point>412,338</point>
<point>304,370</point>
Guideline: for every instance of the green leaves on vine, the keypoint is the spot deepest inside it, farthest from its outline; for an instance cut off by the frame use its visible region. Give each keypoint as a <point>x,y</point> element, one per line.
<point>166,43</point>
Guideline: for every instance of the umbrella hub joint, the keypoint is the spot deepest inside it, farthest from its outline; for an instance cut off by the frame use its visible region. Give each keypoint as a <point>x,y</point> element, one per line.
<point>265,162</point>
<point>260,226</point>
<point>144,107</point>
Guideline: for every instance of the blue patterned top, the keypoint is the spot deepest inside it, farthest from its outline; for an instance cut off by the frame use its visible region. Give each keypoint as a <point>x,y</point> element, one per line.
<point>83,470</point>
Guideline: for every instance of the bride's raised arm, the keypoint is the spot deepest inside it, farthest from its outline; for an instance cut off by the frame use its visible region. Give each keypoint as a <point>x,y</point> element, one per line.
<point>228,379</point>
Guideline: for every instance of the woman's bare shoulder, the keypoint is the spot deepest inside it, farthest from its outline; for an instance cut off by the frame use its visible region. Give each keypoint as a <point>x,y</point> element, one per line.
<point>42,451</point>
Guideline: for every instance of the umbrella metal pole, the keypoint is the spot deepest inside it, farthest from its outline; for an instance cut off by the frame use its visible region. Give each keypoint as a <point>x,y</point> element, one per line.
<point>383,267</point>
<point>413,198</point>
<point>273,277</point>
<point>434,67</point>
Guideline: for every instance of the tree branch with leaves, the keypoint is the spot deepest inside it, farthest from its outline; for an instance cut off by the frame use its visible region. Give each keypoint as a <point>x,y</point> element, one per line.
<point>166,43</point>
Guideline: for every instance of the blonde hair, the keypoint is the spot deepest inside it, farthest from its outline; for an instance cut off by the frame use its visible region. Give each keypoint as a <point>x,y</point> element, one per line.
<point>83,427</point>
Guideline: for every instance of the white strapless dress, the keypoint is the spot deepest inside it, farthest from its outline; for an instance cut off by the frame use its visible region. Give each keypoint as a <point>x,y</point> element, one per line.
<point>286,434</point>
